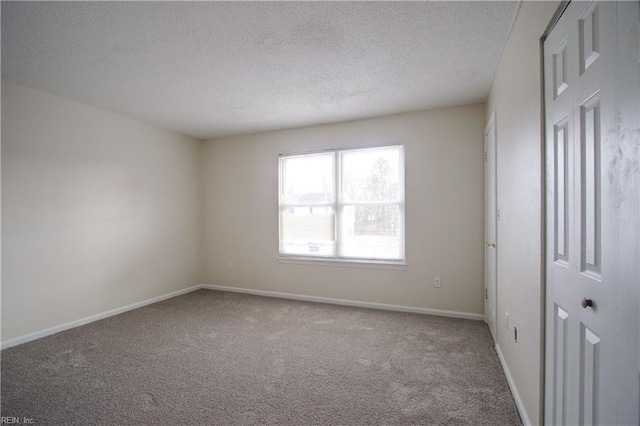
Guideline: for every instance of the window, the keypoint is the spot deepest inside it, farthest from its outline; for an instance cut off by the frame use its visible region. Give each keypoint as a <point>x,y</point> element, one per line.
<point>345,205</point>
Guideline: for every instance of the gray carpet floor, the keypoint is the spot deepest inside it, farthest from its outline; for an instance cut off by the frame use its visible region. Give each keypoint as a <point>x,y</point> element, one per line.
<point>212,358</point>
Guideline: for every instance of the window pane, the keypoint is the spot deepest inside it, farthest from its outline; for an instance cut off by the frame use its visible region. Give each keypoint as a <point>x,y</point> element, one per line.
<point>371,232</point>
<point>307,179</point>
<point>371,175</point>
<point>307,230</point>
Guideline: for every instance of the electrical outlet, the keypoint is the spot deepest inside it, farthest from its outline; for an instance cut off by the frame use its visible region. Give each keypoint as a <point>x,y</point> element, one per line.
<point>506,320</point>
<point>437,282</point>
<point>229,266</point>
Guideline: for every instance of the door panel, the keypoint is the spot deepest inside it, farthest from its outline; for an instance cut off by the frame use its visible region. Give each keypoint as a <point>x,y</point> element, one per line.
<point>562,172</point>
<point>560,365</point>
<point>589,369</point>
<point>590,183</point>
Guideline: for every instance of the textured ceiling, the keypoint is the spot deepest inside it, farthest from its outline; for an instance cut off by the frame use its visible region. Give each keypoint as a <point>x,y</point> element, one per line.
<point>211,69</point>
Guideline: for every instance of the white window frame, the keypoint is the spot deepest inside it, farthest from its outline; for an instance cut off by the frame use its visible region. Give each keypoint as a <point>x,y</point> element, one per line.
<point>338,205</point>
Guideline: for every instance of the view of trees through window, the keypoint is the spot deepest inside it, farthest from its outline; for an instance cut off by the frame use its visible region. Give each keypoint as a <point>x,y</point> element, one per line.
<point>378,185</point>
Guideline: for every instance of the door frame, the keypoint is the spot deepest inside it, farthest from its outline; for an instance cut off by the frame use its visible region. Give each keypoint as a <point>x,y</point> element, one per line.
<point>491,123</point>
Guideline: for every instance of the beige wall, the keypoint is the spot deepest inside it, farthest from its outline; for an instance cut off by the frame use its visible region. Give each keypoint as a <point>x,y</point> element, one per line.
<point>99,211</point>
<point>444,211</point>
<point>515,96</point>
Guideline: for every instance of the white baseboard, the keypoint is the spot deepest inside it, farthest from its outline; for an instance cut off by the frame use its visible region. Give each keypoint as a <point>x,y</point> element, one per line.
<point>514,389</point>
<point>330,300</point>
<point>58,328</point>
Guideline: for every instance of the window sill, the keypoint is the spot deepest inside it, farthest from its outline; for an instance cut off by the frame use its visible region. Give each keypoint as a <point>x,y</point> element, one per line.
<point>351,263</point>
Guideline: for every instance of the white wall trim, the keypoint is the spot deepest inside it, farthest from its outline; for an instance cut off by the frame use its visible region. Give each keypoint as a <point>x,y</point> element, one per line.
<point>514,390</point>
<point>73,324</point>
<point>356,303</point>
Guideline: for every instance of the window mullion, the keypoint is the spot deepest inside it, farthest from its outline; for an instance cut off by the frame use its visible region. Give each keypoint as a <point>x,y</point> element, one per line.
<point>337,182</point>
<point>402,205</point>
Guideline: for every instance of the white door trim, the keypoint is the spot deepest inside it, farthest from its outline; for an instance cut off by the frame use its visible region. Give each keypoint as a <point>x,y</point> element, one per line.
<point>491,282</point>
